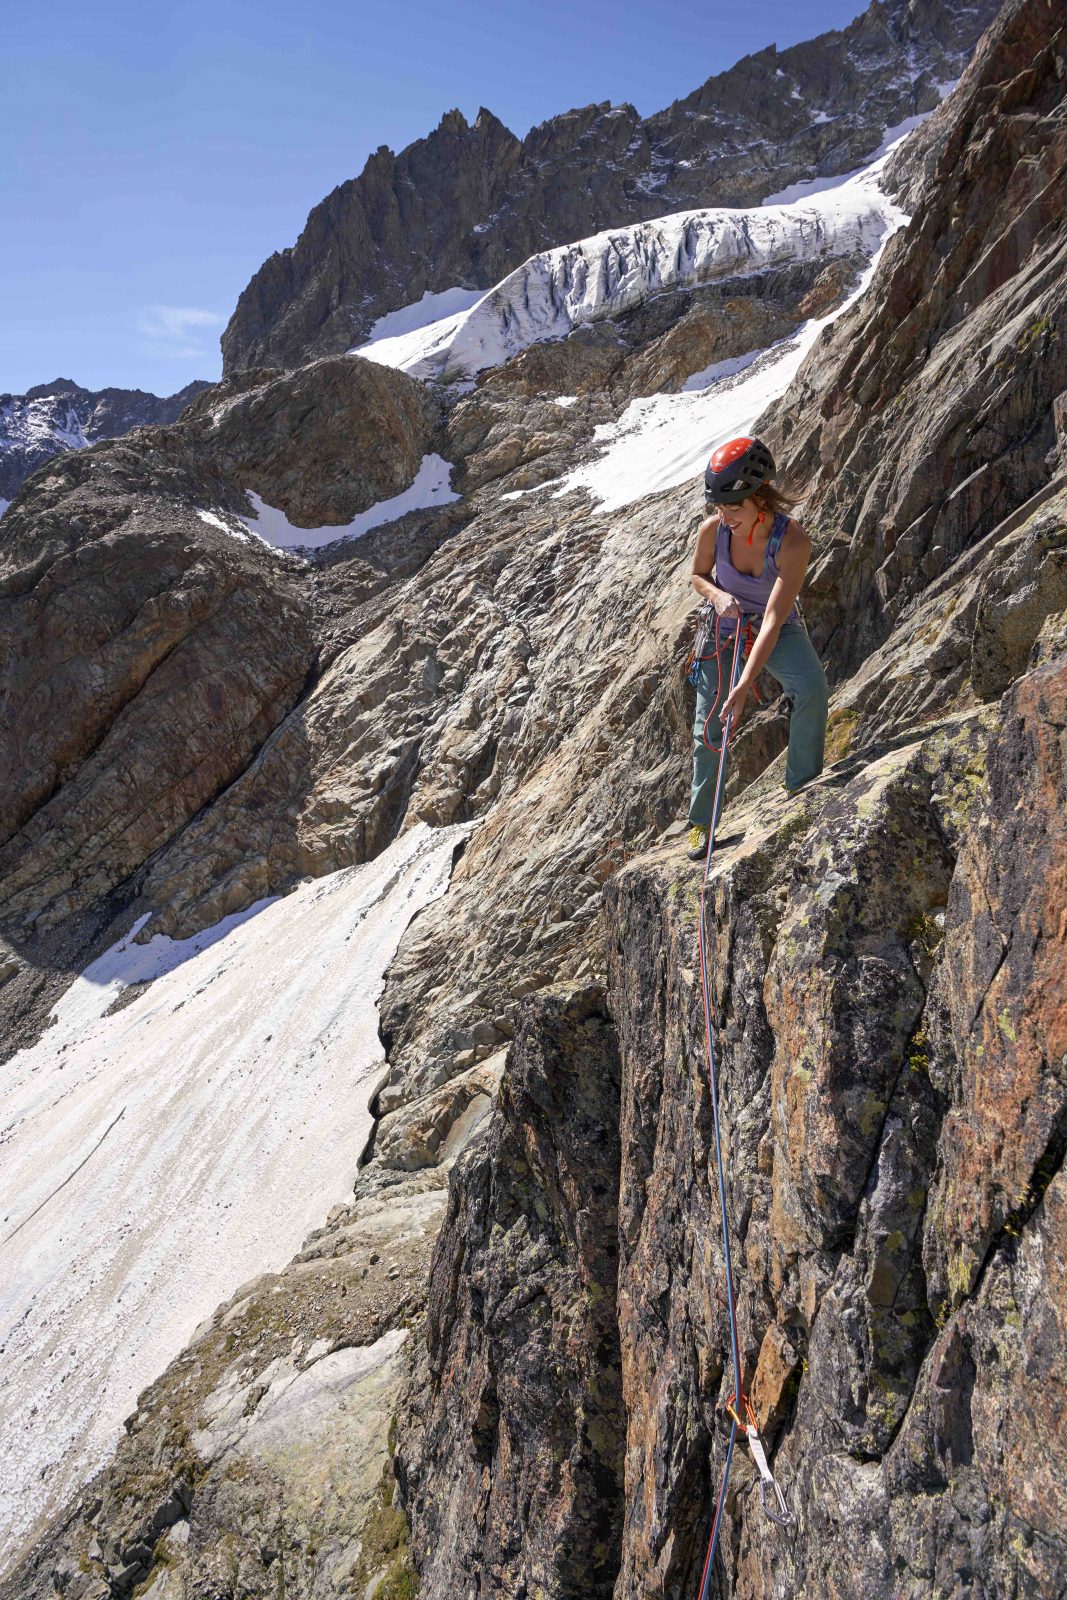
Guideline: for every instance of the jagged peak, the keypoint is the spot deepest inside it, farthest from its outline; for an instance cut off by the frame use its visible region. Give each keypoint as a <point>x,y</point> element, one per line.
<point>453,122</point>
<point>489,119</point>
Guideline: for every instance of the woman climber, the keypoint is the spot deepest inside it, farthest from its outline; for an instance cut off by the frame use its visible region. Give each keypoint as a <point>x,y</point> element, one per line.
<point>760,556</point>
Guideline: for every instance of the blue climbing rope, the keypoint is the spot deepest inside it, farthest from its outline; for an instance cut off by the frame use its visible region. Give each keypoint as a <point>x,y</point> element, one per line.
<point>739,1408</point>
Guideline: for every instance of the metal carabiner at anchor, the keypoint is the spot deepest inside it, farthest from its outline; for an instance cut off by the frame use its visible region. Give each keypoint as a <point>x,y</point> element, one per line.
<point>783,1516</point>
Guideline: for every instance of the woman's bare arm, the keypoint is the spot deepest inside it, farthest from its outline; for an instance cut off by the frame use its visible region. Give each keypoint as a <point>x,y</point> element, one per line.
<point>703,562</point>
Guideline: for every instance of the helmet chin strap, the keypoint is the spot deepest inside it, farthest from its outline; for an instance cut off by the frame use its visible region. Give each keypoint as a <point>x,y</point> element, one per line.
<point>760,517</point>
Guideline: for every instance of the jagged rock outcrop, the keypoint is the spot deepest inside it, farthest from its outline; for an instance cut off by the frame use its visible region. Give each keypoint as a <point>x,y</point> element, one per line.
<point>927,412</point>
<point>517,1401</point>
<point>896,1385</point>
<point>468,204</point>
<point>53,417</point>
<point>180,648</point>
<point>322,443</point>
<point>183,641</point>
<point>894,1402</point>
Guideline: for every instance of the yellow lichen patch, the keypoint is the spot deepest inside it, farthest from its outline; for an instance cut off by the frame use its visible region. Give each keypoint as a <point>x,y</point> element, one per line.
<point>1031,334</point>
<point>839,731</point>
<point>959,1275</point>
<point>871,1113</point>
<point>919,1053</point>
<point>1007,1027</point>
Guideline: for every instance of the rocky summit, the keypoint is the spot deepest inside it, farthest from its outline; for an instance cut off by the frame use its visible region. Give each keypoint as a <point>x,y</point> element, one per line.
<point>500,1365</point>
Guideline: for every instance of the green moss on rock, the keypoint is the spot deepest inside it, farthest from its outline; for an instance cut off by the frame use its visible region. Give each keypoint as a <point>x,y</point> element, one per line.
<point>385,1568</point>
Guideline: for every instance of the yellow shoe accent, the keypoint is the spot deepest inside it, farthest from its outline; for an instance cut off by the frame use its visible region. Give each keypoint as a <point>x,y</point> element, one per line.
<point>696,843</point>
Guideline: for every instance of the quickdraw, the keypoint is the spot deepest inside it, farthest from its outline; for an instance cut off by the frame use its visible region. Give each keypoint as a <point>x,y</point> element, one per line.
<point>738,1408</point>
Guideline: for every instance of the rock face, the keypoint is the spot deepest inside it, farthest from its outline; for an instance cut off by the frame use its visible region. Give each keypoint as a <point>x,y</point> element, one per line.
<point>151,645</point>
<point>320,444</point>
<point>943,420</point>
<point>523,1295</point>
<point>883,1390</point>
<point>468,204</point>
<point>501,1364</point>
<point>53,417</point>
<point>180,648</point>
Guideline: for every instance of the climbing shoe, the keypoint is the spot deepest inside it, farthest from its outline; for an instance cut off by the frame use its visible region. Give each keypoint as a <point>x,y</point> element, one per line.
<point>697,844</point>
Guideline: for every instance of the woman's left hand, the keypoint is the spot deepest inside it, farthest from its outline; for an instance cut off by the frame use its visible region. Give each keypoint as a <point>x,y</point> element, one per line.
<point>734,704</point>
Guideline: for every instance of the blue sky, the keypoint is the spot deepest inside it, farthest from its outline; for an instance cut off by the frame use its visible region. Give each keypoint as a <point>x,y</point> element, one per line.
<point>153,157</point>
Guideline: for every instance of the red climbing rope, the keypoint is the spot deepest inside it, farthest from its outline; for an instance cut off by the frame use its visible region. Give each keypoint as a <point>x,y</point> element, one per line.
<point>744,630</point>
<point>738,1408</point>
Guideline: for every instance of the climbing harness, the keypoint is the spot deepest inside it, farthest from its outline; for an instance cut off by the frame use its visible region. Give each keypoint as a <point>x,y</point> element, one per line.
<point>708,627</point>
<point>708,630</point>
<point>738,1408</point>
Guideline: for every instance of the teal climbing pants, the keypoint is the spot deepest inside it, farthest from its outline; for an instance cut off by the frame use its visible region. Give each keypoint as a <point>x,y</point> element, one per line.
<point>799,671</point>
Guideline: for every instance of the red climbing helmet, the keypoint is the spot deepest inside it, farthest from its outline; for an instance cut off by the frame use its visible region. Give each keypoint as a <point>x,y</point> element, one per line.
<point>736,469</point>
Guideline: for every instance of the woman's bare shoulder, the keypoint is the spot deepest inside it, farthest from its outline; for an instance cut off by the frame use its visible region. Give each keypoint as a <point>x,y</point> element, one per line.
<point>796,535</point>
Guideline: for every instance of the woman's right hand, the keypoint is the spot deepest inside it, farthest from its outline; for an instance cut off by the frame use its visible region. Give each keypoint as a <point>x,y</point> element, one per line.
<point>725,604</point>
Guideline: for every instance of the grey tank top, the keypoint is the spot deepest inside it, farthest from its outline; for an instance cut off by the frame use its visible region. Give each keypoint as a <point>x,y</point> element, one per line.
<point>751,593</point>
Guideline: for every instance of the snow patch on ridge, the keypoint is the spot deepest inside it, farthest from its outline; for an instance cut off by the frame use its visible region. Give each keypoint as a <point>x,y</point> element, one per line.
<point>199,1133</point>
<point>234,526</point>
<point>432,486</point>
<point>420,313</point>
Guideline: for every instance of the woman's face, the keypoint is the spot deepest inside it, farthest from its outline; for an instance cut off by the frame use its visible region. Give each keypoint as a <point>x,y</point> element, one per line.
<point>738,518</point>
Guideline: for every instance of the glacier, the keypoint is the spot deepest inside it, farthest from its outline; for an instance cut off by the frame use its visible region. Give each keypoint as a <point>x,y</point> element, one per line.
<point>665,440</point>
<point>608,274</point>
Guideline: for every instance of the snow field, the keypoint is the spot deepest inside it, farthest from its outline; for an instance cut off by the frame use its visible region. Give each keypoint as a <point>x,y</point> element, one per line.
<point>154,1159</point>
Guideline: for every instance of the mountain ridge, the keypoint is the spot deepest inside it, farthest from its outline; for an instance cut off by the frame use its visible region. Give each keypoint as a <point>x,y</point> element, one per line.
<point>468,203</point>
